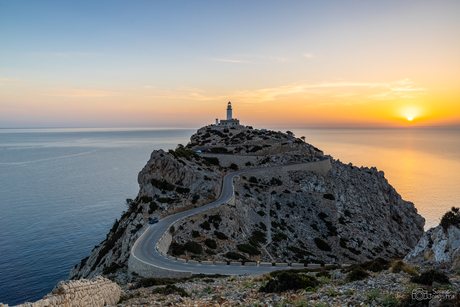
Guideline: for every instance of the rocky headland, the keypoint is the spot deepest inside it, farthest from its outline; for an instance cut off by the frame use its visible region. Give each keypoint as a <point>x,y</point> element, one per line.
<point>348,219</point>
<point>348,214</point>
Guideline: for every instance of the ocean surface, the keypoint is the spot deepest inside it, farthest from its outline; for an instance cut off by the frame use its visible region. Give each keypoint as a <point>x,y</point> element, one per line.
<point>62,189</point>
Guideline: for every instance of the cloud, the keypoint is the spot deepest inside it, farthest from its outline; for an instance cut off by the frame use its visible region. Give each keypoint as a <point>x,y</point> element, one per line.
<point>273,58</point>
<point>345,92</point>
<point>231,61</point>
<point>78,92</point>
<point>75,54</point>
<point>308,55</point>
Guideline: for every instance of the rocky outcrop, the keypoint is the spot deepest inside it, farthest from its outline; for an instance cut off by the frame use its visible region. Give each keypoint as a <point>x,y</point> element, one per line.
<point>347,215</point>
<point>97,292</point>
<point>170,181</point>
<point>438,246</point>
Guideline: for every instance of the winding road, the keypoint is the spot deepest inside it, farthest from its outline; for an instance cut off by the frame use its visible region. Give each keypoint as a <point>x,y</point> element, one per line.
<point>146,251</point>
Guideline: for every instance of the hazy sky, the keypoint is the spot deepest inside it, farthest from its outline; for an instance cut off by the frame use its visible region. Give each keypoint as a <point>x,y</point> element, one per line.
<point>177,63</point>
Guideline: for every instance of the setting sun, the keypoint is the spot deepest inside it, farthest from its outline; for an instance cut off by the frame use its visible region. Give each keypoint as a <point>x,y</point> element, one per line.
<point>410,119</point>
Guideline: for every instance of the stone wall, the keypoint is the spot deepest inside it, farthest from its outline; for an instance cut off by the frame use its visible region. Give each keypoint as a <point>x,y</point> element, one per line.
<point>80,293</point>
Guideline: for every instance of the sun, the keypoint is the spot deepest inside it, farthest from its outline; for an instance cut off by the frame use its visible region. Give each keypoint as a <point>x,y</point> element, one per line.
<point>410,119</point>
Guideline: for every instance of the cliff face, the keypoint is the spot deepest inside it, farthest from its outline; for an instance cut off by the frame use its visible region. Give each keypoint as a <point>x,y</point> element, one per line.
<point>438,245</point>
<point>349,214</point>
<point>170,181</point>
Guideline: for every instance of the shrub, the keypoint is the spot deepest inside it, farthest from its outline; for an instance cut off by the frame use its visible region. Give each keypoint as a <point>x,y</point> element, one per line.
<point>195,198</point>
<point>177,249</point>
<point>205,225</point>
<point>376,265</point>
<point>289,281</point>
<point>278,237</point>
<point>152,207</point>
<point>427,278</point>
<point>212,161</point>
<point>193,247</point>
<point>210,243</point>
<point>451,217</point>
<point>182,190</point>
<point>249,249</point>
<point>233,166</point>
<point>162,185</point>
<point>261,213</point>
<point>112,268</point>
<point>322,245</point>
<point>257,237</point>
<point>356,274</point>
<point>347,213</point>
<point>234,256</point>
<point>399,265</point>
<point>195,233</point>
<point>329,196</point>
<point>146,199</point>
<point>275,181</point>
<point>315,227</point>
<point>215,220</point>
<point>220,235</point>
<point>170,289</point>
<point>253,179</point>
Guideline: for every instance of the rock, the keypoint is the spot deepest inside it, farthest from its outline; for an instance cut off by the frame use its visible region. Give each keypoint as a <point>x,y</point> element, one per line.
<point>438,246</point>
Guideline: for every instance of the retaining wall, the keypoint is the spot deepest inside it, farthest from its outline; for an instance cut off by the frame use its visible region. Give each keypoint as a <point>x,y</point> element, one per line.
<point>96,292</point>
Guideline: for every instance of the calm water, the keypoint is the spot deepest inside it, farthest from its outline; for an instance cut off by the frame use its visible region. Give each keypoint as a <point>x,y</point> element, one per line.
<point>61,189</point>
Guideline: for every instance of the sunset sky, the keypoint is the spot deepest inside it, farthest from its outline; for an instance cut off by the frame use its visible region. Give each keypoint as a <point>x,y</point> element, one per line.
<point>178,63</point>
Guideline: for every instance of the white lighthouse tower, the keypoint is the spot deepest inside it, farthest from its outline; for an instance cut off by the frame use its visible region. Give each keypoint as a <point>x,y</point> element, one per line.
<point>229,111</point>
<point>230,121</point>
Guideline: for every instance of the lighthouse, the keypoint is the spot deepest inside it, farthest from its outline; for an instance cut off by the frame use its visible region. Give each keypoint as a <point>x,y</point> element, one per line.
<point>230,121</point>
<point>229,111</point>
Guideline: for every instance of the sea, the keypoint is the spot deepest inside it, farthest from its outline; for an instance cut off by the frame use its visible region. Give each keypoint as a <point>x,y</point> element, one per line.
<point>62,189</point>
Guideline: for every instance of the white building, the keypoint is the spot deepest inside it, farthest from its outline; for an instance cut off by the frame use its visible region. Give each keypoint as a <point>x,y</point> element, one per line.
<point>230,121</point>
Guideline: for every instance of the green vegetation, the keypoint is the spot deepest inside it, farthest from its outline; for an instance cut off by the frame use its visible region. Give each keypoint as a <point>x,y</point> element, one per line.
<point>195,198</point>
<point>177,249</point>
<point>210,243</point>
<point>193,247</point>
<point>329,196</point>
<point>182,190</point>
<point>287,281</point>
<point>234,256</point>
<point>112,268</point>
<point>451,217</point>
<point>184,153</point>
<point>162,185</point>
<point>195,233</point>
<point>152,207</point>
<point>275,181</point>
<point>427,278</point>
<point>322,245</point>
<point>170,289</point>
<point>220,235</point>
<point>253,180</point>
<point>356,274</point>
<point>233,166</point>
<point>278,237</point>
<point>249,249</point>
<point>261,213</point>
<point>211,161</point>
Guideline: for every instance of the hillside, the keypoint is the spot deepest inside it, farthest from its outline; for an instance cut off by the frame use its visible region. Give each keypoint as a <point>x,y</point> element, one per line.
<point>347,215</point>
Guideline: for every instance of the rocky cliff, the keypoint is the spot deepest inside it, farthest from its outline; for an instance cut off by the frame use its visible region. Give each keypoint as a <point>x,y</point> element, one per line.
<point>347,215</point>
<point>440,246</point>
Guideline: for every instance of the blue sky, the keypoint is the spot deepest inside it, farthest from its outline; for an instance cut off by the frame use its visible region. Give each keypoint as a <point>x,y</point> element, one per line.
<point>157,63</point>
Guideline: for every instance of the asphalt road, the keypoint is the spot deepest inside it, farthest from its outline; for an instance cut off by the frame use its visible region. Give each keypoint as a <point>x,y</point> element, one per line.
<point>146,251</point>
